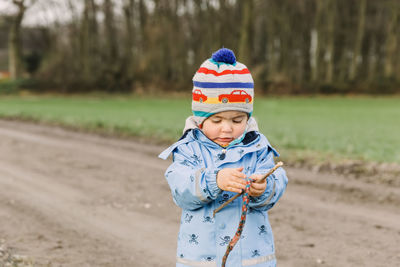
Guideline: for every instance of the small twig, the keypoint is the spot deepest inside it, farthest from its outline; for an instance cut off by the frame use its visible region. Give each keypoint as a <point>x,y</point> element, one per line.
<point>279,164</point>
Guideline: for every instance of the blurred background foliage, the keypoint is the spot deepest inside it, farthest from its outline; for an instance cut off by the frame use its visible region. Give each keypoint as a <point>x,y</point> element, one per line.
<point>147,46</point>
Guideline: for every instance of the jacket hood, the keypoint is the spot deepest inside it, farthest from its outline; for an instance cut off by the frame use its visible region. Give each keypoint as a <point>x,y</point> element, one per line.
<point>256,141</point>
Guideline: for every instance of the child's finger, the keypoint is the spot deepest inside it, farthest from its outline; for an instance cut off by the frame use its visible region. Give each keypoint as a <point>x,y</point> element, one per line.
<point>258,186</point>
<point>235,190</point>
<point>238,180</point>
<point>237,185</point>
<point>259,183</point>
<point>239,174</point>
<point>255,193</point>
<point>255,186</point>
<point>256,177</point>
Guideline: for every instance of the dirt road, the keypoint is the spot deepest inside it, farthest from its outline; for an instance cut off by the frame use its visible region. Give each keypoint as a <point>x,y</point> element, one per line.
<point>75,199</point>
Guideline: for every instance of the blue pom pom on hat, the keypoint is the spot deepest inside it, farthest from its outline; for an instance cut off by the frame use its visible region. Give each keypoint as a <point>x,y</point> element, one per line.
<point>224,55</point>
<point>222,84</point>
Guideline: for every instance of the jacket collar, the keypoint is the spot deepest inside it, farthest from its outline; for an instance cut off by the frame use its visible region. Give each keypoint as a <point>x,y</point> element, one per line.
<point>193,133</point>
<point>197,135</point>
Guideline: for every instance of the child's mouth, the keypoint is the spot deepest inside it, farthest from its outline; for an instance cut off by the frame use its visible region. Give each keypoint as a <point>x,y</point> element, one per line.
<point>224,140</point>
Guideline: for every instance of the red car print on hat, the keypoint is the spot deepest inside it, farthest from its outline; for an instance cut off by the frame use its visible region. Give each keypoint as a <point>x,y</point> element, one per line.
<point>198,96</point>
<point>235,96</point>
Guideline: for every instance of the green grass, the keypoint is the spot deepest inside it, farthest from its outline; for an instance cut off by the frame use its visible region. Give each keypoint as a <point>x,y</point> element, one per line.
<point>152,118</point>
<point>355,128</point>
<point>332,128</point>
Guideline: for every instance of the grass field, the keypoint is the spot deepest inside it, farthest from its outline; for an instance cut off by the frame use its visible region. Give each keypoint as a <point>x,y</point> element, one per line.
<point>332,128</point>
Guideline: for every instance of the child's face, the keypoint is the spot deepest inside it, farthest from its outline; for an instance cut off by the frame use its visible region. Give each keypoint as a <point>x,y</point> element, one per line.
<point>224,127</point>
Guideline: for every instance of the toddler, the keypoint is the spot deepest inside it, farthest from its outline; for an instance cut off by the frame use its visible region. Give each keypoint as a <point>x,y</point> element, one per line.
<point>220,147</point>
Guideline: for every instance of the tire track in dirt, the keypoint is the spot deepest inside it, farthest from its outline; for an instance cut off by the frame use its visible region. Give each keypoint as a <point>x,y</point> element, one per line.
<point>77,199</point>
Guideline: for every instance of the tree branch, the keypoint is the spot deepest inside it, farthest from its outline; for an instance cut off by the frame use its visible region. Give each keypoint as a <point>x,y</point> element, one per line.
<point>279,164</point>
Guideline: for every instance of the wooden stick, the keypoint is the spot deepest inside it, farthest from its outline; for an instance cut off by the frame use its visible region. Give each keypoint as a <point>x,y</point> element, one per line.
<point>279,164</point>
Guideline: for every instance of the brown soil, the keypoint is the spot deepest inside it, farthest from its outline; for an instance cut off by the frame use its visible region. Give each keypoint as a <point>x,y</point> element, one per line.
<point>75,199</point>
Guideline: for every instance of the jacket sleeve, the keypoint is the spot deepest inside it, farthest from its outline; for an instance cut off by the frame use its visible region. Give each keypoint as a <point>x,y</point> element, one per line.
<point>276,182</point>
<point>192,185</point>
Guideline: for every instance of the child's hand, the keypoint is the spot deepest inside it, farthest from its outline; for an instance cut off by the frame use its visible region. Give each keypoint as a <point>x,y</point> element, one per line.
<point>231,179</point>
<point>257,188</point>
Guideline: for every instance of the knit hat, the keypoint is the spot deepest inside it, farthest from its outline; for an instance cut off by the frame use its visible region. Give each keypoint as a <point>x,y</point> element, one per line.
<point>222,84</point>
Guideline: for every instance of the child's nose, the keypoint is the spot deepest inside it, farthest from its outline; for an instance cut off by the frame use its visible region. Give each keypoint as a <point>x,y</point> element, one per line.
<point>226,127</point>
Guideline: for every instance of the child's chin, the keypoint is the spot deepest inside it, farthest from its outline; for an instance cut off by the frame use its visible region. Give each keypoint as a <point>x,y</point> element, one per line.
<point>222,144</point>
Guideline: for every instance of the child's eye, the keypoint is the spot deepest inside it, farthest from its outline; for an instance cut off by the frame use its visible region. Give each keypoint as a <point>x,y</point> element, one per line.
<point>216,121</point>
<point>237,121</point>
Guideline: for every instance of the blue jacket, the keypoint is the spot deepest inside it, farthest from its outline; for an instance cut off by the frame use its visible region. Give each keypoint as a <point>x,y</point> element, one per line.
<point>202,238</point>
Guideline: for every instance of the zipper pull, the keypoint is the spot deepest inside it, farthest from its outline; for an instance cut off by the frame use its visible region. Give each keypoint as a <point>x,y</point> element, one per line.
<point>222,155</point>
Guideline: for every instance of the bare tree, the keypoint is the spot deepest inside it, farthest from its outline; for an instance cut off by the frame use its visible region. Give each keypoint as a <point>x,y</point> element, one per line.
<point>110,31</point>
<point>358,41</point>
<point>14,38</point>
<point>391,41</point>
<point>330,41</point>
<point>315,42</point>
<point>246,32</point>
<point>130,45</point>
<point>88,42</point>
